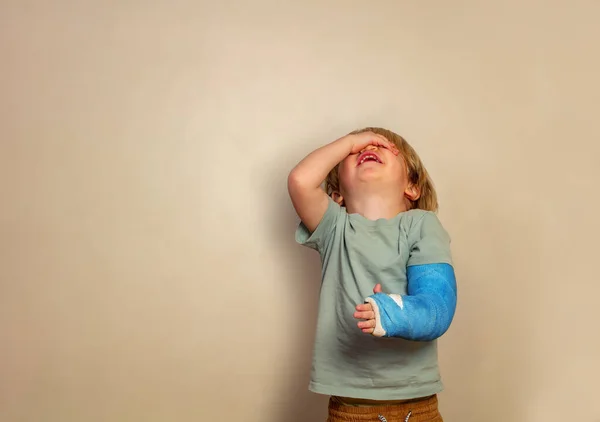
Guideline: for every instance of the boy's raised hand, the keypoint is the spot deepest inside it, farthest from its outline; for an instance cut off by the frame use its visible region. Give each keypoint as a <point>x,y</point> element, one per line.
<point>365,313</point>
<point>304,181</point>
<point>362,140</point>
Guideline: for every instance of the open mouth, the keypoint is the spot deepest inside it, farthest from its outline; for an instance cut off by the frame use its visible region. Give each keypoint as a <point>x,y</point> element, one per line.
<point>368,156</point>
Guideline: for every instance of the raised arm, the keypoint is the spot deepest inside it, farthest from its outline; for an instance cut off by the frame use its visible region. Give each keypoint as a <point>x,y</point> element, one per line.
<point>304,181</point>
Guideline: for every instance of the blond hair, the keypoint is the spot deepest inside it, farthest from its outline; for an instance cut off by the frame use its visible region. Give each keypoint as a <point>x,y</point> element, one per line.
<point>417,173</point>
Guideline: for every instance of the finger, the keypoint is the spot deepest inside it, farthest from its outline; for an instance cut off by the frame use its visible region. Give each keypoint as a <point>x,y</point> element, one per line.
<point>364,315</point>
<point>382,141</point>
<point>367,324</point>
<point>377,288</point>
<point>364,307</point>
<point>390,146</point>
<point>377,143</point>
<point>368,330</point>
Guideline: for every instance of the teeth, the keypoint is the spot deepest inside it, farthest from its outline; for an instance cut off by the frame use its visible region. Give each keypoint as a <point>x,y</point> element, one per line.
<point>365,158</point>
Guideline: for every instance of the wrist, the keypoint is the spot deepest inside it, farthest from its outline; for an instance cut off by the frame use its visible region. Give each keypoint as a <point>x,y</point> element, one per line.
<point>347,142</point>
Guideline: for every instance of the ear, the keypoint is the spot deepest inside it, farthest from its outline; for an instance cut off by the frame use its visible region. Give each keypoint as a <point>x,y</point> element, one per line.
<point>337,197</point>
<point>412,192</point>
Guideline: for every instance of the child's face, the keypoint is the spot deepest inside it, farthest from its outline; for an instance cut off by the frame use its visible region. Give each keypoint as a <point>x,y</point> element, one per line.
<point>373,168</point>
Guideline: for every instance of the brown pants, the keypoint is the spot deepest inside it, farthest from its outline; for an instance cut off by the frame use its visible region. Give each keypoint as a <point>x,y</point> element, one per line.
<point>419,410</point>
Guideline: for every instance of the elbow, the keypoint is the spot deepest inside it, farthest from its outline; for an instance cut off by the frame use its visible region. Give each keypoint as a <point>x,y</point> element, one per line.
<point>435,321</point>
<point>429,333</point>
<point>298,184</point>
<point>432,299</point>
<point>438,329</point>
<point>295,181</point>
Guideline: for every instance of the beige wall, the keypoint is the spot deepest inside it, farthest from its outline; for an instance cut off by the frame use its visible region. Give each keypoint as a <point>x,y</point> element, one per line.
<point>147,265</point>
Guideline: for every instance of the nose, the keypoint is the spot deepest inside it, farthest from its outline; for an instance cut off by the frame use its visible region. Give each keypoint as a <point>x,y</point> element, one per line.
<point>369,148</point>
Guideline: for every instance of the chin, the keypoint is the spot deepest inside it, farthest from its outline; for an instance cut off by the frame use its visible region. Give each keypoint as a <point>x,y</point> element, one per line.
<point>371,175</point>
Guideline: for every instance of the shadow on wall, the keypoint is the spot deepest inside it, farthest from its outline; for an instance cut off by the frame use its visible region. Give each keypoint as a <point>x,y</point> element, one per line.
<point>295,403</point>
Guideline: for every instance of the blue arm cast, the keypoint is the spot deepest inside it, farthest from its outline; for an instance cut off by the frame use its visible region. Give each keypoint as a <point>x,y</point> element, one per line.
<point>426,312</point>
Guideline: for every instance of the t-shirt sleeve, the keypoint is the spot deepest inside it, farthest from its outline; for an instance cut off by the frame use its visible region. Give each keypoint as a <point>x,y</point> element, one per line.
<point>429,242</point>
<point>322,235</point>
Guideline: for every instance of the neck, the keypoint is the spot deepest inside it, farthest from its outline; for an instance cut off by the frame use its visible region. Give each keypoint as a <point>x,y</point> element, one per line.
<point>374,206</point>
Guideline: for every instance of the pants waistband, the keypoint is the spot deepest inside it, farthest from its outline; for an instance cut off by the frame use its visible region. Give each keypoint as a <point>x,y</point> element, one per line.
<point>425,409</point>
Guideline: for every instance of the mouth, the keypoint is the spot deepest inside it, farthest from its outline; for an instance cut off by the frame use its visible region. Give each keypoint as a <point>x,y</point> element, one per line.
<point>368,156</point>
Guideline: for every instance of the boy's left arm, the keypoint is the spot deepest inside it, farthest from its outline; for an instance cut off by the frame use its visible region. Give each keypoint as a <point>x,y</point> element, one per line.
<point>424,314</point>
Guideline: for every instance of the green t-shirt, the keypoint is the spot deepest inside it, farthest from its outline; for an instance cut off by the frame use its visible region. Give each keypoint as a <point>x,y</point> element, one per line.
<point>357,253</point>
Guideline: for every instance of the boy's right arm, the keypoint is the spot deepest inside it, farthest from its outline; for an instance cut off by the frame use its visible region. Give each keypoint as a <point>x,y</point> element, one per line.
<point>304,181</point>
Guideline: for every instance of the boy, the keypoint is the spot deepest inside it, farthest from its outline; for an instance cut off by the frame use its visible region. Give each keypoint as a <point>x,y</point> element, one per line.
<point>375,229</point>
